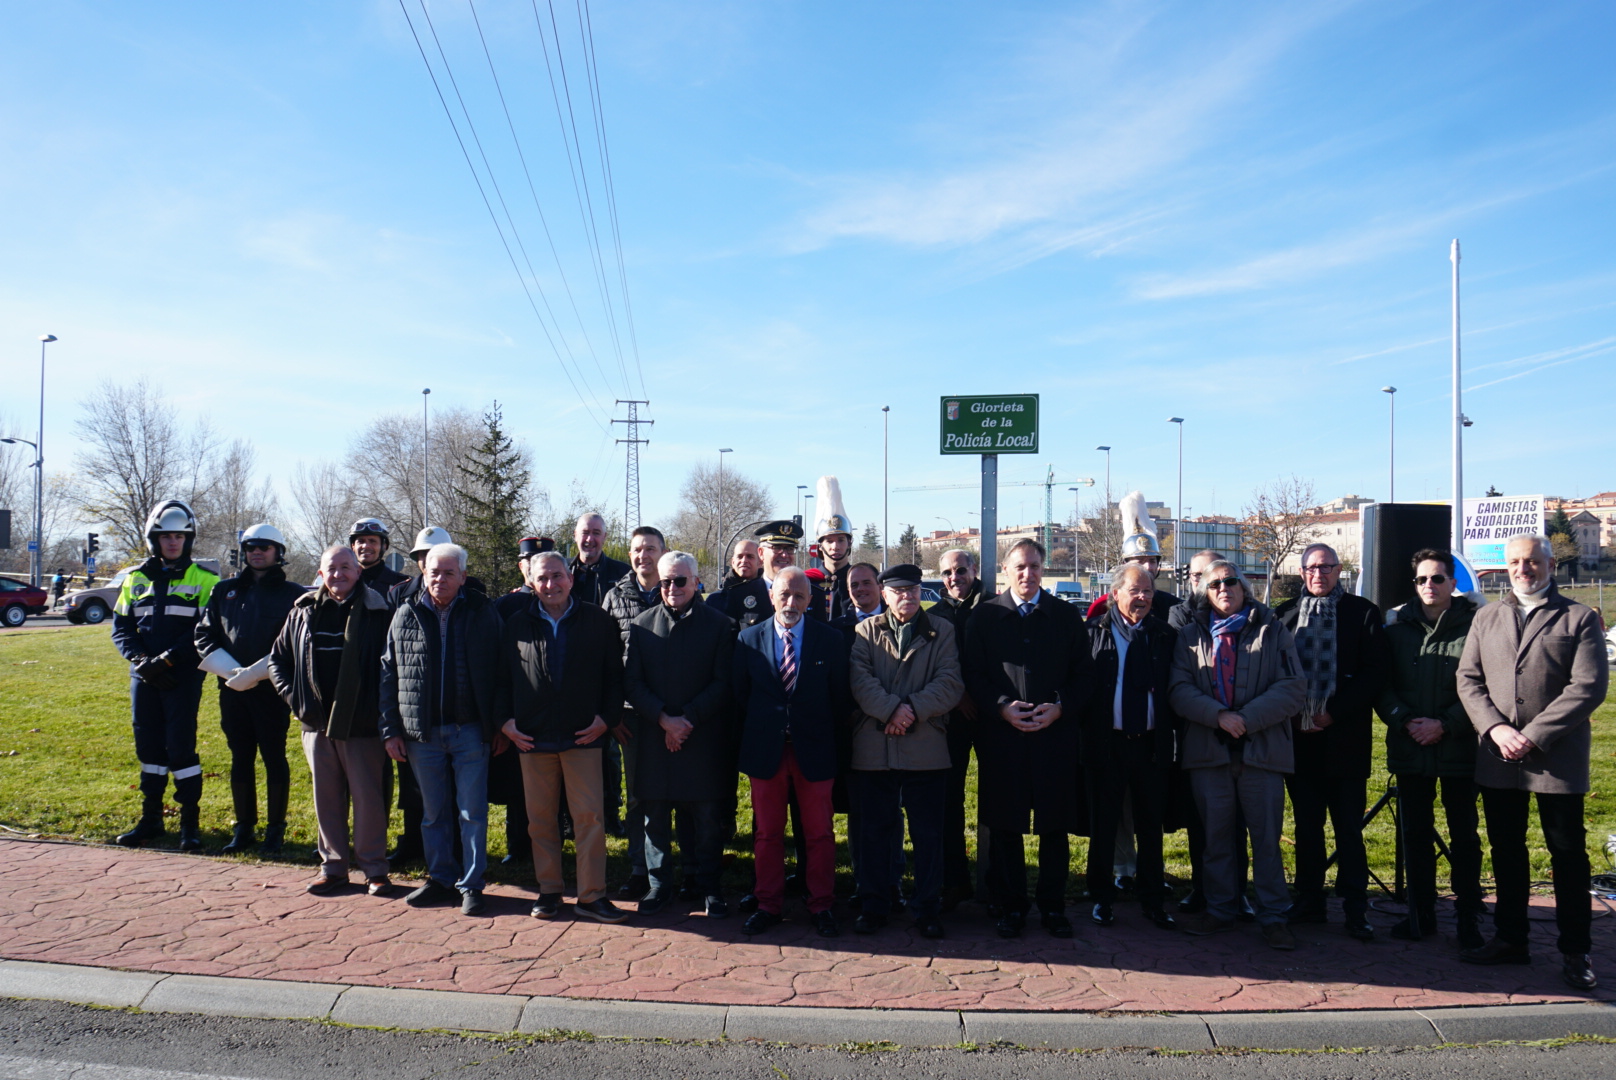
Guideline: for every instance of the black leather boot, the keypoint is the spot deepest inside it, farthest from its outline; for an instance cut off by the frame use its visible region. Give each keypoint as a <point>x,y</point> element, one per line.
<point>274,838</point>
<point>150,825</point>
<point>241,840</point>
<point>190,828</point>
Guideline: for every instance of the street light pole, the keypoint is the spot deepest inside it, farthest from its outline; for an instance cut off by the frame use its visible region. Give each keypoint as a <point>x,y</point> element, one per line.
<point>1107,517</point>
<point>886,517</point>
<point>36,565</point>
<point>426,458</point>
<point>722,554</point>
<point>1178,507</point>
<point>800,512</point>
<point>1391,461</point>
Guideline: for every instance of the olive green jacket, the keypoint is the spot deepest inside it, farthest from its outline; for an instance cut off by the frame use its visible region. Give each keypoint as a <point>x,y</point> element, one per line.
<point>1424,681</point>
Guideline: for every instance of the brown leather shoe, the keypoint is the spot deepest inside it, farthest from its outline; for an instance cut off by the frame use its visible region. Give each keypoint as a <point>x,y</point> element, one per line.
<point>379,886</point>
<point>325,886</point>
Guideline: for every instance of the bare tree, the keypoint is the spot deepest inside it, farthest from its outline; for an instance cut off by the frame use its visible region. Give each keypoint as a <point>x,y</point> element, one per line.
<point>325,506</point>
<point>695,526</point>
<point>1098,534</point>
<point>386,478</point>
<point>136,455</point>
<point>1277,524</point>
<point>232,499</point>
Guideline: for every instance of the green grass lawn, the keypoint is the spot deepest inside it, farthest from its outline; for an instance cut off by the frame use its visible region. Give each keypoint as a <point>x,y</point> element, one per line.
<point>68,769</point>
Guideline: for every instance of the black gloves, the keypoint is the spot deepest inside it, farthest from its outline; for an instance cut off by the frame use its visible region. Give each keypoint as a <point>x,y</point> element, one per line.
<point>156,672</point>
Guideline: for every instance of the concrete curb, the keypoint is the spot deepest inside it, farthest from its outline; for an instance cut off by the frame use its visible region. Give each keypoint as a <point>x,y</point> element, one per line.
<point>429,1010</point>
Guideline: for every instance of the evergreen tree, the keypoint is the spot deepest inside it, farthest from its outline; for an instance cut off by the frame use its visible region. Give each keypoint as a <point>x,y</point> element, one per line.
<point>909,545</point>
<point>871,538</point>
<point>496,489</point>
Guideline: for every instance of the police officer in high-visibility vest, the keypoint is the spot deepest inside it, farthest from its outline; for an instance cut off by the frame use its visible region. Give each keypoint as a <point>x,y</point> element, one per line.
<point>153,626</point>
<point>234,636</point>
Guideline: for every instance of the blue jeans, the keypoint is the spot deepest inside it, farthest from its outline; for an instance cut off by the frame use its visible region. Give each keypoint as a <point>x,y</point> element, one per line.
<point>451,765</point>
<point>701,842</point>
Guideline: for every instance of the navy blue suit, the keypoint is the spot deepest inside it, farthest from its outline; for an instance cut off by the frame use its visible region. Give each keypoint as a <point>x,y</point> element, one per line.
<point>820,704</point>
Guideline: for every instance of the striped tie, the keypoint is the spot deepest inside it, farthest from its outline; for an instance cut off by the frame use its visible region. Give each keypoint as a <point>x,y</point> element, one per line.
<point>788,663</point>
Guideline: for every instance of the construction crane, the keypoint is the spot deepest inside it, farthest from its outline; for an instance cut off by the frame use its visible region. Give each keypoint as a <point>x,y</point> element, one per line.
<point>1049,484</point>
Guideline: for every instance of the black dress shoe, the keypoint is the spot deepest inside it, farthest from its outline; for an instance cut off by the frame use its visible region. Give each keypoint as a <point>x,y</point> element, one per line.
<point>432,894</point>
<point>688,890</point>
<point>869,924</point>
<point>602,910</point>
<point>1248,914</point>
<point>1057,924</point>
<point>747,904</point>
<point>1577,972</point>
<point>825,925</point>
<point>1358,927</point>
<point>190,839</point>
<point>1124,883</point>
<point>717,907</point>
<point>1304,911</point>
<point>954,897</point>
<point>1497,951</point>
<point>760,921</point>
<point>634,888</point>
<point>548,906</point>
<point>654,901</point>
<point>1159,917</point>
<point>930,928</point>
<point>1403,930</point>
<point>1010,924</point>
<point>1102,915</point>
<point>1195,901</point>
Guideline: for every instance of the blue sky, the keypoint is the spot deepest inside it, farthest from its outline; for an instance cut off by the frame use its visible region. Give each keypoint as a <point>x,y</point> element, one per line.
<point>1234,213</point>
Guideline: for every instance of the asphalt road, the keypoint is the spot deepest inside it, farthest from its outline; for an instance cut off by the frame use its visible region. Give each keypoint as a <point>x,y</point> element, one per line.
<point>52,1041</point>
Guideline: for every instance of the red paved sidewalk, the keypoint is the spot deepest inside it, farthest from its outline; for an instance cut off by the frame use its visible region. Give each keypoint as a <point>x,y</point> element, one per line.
<point>195,915</point>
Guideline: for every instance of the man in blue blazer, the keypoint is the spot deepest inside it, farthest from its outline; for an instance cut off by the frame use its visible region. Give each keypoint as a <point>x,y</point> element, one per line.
<point>791,686</point>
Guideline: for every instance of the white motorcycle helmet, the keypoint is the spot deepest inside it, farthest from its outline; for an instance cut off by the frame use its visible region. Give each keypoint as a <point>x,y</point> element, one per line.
<point>171,515</point>
<point>263,532</point>
<point>427,539</point>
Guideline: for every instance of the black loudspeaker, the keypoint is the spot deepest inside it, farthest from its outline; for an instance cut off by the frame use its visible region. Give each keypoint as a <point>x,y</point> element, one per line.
<point>1392,533</point>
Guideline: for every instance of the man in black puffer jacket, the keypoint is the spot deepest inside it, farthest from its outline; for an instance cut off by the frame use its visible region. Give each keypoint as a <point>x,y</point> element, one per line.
<point>439,684</point>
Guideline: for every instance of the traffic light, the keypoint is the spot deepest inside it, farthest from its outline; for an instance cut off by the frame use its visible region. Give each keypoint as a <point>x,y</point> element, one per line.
<point>93,544</point>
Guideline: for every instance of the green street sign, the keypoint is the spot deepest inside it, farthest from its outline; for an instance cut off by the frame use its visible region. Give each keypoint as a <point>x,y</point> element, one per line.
<point>1000,424</point>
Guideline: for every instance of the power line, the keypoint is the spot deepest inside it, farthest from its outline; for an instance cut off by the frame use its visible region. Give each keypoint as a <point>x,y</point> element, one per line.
<point>482,192</point>
<point>498,193</point>
<point>533,191</point>
<point>611,191</point>
<point>575,162</point>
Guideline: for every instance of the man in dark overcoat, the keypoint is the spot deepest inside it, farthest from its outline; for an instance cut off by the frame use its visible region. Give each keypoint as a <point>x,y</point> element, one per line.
<point>677,674</point>
<point>1128,738</point>
<point>1341,642</point>
<point>1028,666</point>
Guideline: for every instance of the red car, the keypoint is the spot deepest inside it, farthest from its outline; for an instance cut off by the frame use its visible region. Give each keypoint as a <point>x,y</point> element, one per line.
<point>18,600</point>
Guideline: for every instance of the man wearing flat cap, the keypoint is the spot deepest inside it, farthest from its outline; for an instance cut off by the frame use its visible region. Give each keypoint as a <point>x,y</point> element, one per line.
<point>905,673</point>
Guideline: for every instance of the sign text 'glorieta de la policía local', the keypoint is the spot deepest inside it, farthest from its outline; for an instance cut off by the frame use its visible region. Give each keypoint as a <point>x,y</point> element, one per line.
<point>1002,424</point>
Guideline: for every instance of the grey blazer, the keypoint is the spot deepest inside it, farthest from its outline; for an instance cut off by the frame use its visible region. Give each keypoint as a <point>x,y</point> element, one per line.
<point>1544,674</point>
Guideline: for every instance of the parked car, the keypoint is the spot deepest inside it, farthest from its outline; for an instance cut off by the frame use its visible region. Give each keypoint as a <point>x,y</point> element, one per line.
<point>18,600</point>
<point>95,605</point>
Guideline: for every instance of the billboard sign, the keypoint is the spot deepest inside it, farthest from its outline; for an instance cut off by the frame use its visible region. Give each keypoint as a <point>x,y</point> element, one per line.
<point>1489,523</point>
<point>999,424</point>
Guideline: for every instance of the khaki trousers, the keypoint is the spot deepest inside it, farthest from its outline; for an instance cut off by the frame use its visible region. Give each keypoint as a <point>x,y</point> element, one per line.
<point>542,775</point>
<point>349,771</point>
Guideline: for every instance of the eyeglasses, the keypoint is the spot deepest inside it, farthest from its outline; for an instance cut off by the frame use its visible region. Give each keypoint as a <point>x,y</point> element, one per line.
<point>257,545</point>
<point>1321,568</point>
<point>1224,583</point>
<point>1434,579</point>
<point>674,582</point>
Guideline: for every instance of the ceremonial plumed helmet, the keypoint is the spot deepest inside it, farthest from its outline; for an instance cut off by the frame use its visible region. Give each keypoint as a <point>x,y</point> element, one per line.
<point>429,538</point>
<point>171,515</point>
<point>370,526</point>
<point>1138,531</point>
<point>833,517</point>
<point>264,532</point>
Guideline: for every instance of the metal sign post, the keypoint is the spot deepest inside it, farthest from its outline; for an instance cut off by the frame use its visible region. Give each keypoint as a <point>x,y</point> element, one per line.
<point>989,426</point>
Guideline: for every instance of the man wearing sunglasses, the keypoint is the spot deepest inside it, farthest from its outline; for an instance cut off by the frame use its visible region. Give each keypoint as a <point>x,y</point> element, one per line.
<point>1532,674</point>
<point>677,672</point>
<point>1430,741</point>
<point>1341,642</point>
<point>237,629</point>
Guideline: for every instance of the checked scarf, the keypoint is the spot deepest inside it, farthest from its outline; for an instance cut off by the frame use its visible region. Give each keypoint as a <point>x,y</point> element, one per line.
<point>1315,647</point>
